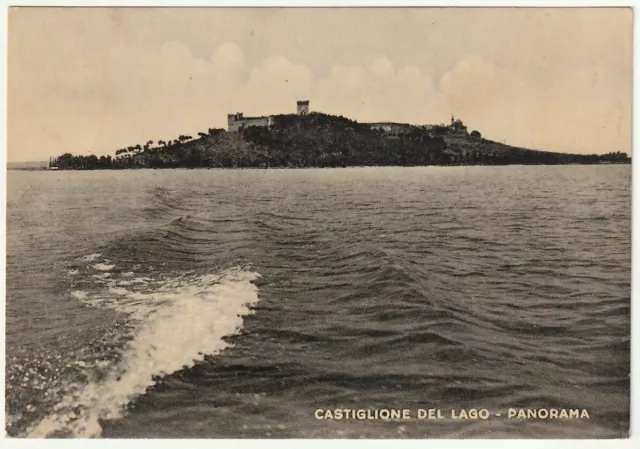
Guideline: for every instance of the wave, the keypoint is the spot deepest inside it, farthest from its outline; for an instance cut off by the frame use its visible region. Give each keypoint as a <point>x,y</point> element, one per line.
<point>103,267</point>
<point>176,322</point>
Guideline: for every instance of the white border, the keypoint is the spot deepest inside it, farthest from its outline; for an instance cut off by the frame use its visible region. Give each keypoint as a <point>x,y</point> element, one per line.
<point>326,3</point>
<point>632,442</point>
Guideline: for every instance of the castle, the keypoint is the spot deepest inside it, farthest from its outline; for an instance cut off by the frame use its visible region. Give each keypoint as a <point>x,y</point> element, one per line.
<point>237,121</point>
<point>302,107</point>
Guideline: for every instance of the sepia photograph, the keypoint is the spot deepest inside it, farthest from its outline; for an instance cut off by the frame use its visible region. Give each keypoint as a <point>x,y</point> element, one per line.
<point>318,223</point>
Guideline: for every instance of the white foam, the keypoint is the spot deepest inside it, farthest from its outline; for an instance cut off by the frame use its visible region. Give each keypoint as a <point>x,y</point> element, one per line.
<point>179,322</point>
<point>72,272</point>
<point>78,294</point>
<point>141,280</point>
<point>103,267</point>
<point>118,291</point>
<point>91,257</point>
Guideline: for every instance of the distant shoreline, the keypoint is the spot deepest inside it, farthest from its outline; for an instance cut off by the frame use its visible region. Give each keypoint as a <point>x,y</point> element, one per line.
<point>326,141</point>
<point>29,169</point>
<point>317,168</point>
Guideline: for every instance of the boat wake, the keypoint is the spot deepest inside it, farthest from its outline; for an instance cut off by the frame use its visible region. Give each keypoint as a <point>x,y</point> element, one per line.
<point>175,322</point>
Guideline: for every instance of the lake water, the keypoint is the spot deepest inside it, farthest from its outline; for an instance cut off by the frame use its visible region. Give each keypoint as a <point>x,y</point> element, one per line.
<point>234,303</point>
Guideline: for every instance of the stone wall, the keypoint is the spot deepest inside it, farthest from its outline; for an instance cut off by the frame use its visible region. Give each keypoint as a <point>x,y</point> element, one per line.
<point>237,121</point>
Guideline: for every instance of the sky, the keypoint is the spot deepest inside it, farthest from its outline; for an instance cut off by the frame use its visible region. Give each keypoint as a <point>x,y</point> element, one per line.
<point>93,80</point>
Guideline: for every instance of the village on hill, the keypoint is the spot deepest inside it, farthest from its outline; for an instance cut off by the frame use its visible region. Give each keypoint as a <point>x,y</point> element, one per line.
<point>312,139</point>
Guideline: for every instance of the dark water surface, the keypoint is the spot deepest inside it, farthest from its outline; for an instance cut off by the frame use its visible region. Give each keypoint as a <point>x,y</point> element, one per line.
<point>234,303</point>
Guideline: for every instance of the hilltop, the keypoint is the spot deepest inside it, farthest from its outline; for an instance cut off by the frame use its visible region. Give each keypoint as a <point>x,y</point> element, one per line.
<point>321,140</point>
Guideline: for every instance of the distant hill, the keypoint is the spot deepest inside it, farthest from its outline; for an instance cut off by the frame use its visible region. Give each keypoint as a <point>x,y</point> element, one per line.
<point>321,140</point>
<point>37,165</point>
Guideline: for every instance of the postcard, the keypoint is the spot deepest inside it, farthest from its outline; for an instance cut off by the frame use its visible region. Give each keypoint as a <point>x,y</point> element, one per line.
<point>276,223</point>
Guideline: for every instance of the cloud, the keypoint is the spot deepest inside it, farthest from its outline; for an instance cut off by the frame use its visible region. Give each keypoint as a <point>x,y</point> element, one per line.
<point>228,57</point>
<point>96,79</point>
<point>132,95</point>
<point>383,68</point>
<point>378,92</point>
<point>276,84</point>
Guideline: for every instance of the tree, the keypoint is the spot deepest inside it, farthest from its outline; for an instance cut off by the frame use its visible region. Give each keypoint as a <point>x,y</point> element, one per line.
<point>64,161</point>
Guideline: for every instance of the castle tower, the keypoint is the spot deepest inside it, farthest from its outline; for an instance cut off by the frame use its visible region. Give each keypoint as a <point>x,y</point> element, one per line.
<point>303,107</point>
<point>234,121</point>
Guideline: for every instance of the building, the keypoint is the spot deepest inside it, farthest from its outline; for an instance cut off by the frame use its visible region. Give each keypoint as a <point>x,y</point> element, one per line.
<point>391,127</point>
<point>457,127</point>
<point>237,121</point>
<point>303,107</point>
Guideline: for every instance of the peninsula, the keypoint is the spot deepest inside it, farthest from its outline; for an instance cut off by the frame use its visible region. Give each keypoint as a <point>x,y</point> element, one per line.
<point>311,139</point>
